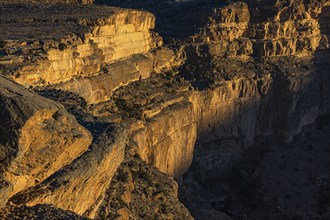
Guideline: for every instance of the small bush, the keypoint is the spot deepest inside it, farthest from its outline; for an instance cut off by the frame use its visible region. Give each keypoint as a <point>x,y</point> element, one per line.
<point>2,43</point>
<point>62,46</point>
<point>122,176</point>
<point>142,175</point>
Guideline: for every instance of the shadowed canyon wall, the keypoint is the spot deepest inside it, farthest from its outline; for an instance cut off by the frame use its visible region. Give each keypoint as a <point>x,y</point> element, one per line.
<point>46,2</point>
<point>266,80</point>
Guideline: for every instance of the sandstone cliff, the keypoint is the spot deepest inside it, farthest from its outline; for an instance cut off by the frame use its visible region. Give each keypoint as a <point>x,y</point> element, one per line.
<point>67,44</point>
<point>236,76</point>
<point>46,1</point>
<point>38,137</point>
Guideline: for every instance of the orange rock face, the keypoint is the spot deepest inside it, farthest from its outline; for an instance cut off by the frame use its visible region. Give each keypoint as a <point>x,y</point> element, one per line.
<point>38,137</point>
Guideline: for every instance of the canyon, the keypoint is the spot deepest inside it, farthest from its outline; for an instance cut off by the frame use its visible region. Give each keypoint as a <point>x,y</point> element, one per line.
<point>165,110</point>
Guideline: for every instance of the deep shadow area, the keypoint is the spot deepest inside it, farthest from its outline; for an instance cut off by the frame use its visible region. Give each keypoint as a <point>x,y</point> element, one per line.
<point>174,19</point>
<point>270,181</point>
<point>77,106</point>
<point>275,179</point>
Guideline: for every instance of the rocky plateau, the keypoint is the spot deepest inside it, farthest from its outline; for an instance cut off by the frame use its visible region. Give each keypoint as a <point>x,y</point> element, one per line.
<point>164,109</point>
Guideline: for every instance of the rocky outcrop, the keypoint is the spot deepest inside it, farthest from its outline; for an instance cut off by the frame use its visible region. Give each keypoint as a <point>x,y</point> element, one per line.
<point>99,88</point>
<point>230,33</point>
<point>95,42</point>
<point>80,186</point>
<point>39,212</point>
<point>140,191</point>
<point>82,43</point>
<point>46,1</point>
<point>38,137</point>
<point>247,80</point>
<point>172,122</point>
<point>292,28</point>
<point>167,139</point>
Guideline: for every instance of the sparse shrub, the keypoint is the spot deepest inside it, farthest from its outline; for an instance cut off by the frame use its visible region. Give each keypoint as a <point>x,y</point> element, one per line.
<point>2,43</point>
<point>164,208</point>
<point>142,175</point>
<point>137,156</point>
<point>62,46</point>
<point>120,201</point>
<point>324,198</point>
<point>122,176</point>
<point>102,216</point>
<point>161,188</point>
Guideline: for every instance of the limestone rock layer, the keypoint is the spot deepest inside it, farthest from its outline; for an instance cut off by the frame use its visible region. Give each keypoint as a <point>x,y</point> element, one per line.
<point>46,2</point>
<point>38,137</point>
<point>82,43</point>
<point>236,75</point>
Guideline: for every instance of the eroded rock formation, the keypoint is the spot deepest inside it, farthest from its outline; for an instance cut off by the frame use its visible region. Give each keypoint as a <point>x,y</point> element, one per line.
<point>95,42</point>
<point>231,77</point>
<point>46,2</point>
<point>38,137</point>
<point>67,188</point>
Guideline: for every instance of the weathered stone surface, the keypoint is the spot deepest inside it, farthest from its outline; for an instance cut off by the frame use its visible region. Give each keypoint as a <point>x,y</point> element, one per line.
<point>151,192</point>
<point>80,186</point>
<point>39,212</point>
<point>217,123</point>
<point>85,38</point>
<point>38,137</point>
<point>167,139</point>
<point>248,78</point>
<point>99,88</point>
<point>46,1</point>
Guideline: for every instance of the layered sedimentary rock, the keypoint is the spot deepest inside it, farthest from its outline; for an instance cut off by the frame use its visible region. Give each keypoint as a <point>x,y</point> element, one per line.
<point>69,44</point>
<point>99,88</point>
<point>38,137</point>
<point>291,28</point>
<point>222,32</point>
<point>248,79</point>
<point>80,186</point>
<point>230,33</point>
<point>167,139</point>
<point>236,112</point>
<point>46,1</point>
<point>82,43</point>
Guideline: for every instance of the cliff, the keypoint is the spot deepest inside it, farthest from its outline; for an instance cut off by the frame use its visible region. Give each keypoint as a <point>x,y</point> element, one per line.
<point>235,77</point>
<point>38,137</point>
<point>46,2</point>
<point>62,45</point>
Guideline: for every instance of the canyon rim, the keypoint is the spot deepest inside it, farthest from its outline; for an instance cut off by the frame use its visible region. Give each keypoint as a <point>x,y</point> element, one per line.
<point>164,109</point>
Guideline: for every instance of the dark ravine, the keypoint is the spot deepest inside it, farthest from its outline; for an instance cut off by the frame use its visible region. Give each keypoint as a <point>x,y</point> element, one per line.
<point>234,104</point>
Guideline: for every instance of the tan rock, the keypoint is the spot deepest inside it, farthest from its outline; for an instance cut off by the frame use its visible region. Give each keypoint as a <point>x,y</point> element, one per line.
<point>127,197</point>
<point>38,137</point>
<point>98,36</point>
<point>80,186</point>
<point>167,140</point>
<point>47,1</point>
<point>124,214</point>
<point>160,196</point>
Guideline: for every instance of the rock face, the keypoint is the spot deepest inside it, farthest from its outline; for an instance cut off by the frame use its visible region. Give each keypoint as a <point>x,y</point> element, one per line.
<point>38,137</point>
<point>229,32</point>
<point>77,42</point>
<point>101,35</point>
<point>80,186</point>
<point>46,1</point>
<point>99,88</point>
<point>167,139</point>
<point>139,191</point>
<point>237,75</point>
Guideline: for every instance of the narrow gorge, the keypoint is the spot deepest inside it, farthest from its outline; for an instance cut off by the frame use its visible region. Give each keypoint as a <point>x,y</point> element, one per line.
<point>164,109</point>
